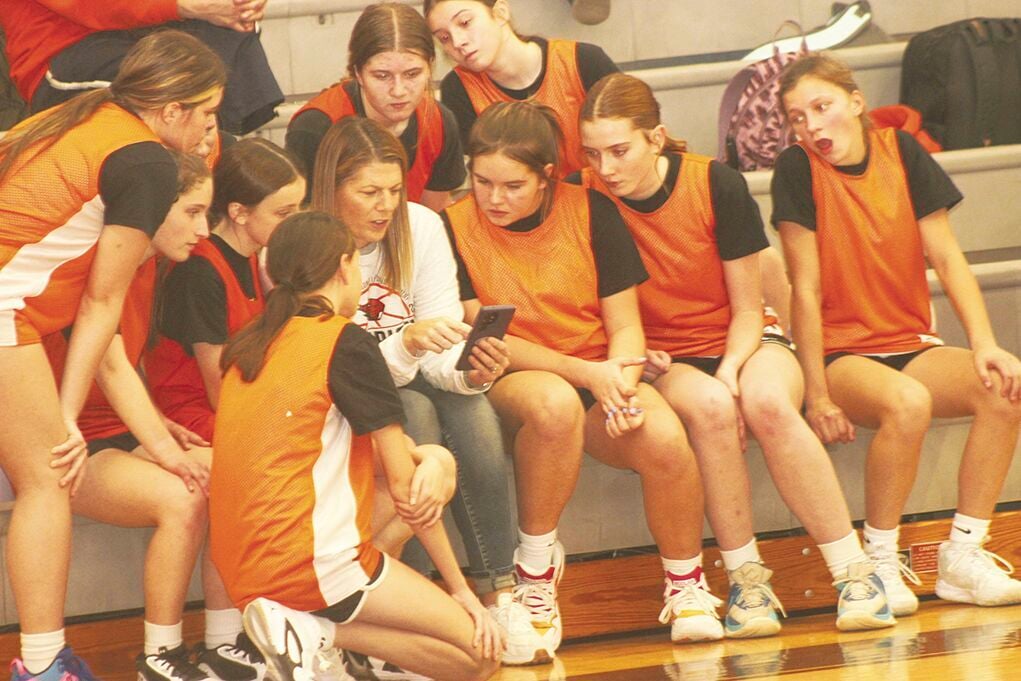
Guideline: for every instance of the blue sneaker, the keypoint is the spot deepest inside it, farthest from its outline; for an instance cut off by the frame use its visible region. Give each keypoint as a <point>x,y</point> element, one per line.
<point>752,605</point>
<point>66,667</point>
<point>862,603</point>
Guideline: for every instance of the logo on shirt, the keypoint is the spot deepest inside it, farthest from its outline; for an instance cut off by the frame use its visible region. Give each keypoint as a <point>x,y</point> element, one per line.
<point>383,311</point>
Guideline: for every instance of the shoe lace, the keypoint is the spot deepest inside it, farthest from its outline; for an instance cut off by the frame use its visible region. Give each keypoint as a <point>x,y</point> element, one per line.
<point>890,565</point>
<point>75,669</point>
<point>988,564</point>
<point>757,595</point>
<point>538,596</point>
<point>243,650</point>
<point>687,595</point>
<point>177,666</point>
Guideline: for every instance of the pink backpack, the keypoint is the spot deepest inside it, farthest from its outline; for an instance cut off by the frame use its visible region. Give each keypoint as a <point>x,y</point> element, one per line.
<point>752,128</point>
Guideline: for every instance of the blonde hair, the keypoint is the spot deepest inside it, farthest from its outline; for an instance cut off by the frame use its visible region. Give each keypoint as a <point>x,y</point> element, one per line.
<point>348,146</point>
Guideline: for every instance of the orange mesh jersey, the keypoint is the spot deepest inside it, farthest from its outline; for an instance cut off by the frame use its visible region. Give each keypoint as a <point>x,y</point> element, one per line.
<point>684,303</point>
<point>290,500</point>
<point>561,90</point>
<point>875,298</point>
<point>173,374</point>
<point>98,419</point>
<point>335,103</point>
<point>549,273</point>
<point>51,216</point>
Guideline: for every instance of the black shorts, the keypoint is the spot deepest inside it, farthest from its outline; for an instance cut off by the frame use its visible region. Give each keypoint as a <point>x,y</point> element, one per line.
<point>126,442</point>
<point>897,362</point>
<point>709,365</point>
<point>348,608</point>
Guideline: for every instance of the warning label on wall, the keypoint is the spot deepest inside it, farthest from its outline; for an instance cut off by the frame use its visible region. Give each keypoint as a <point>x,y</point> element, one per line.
<point>924,557</point>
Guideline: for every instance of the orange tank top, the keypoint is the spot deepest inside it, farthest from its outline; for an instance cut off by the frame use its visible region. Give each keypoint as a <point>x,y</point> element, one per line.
<point>684,303</point>
<point>336,103</point>
<point>173,374</point>
<point>549,273</point>
<point>875,297</point>
<point>561,90</point>
<point>51,216</point>
<point>290,502</point>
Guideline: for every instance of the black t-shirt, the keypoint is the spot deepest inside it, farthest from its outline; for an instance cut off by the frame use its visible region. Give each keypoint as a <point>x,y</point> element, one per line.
<point>739,229</point>
<point>360,382</point>
<point>306,131</point>
<point>928,184</point>
<point>138,185</point>
<point>593,65</point>
<point>618,265</point>
<point>195,298</point>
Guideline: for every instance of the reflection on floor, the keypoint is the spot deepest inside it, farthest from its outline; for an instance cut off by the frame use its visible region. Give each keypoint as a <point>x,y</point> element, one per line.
<point>943,641</point>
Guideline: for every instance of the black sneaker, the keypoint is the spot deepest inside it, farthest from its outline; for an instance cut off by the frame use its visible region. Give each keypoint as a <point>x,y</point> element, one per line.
<point>238,661</point>
<point>365,668</point>
<point>168,665</point>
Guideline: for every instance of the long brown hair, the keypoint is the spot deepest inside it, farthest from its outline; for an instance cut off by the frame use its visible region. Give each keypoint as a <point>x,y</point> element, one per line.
<point>302,255</point>
<point>249,171</point>
<point>163,67</point>
<point>191,172</point>
<point>525,132</point>
<point>388,27</point>
<point>619,95</point>
<point>348,146</point>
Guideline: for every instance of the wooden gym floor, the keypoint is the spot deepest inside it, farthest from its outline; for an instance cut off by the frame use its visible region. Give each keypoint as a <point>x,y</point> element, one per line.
<point>943,641</point>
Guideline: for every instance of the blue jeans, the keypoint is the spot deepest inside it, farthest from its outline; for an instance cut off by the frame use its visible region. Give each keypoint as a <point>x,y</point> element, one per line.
<point>470,429</point>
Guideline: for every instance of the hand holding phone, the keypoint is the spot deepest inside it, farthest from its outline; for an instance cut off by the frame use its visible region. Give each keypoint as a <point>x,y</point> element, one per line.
<point>491,322</point>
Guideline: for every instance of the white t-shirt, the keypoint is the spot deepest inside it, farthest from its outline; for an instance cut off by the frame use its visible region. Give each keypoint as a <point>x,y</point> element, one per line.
<point>385,312</point>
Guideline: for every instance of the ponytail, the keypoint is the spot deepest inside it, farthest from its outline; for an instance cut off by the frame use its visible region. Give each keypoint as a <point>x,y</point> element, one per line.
<point>302,255</point>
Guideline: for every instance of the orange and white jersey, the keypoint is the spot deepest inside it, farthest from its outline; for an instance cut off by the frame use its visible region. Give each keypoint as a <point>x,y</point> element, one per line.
<point>52,211</point>
<point>291,496</point>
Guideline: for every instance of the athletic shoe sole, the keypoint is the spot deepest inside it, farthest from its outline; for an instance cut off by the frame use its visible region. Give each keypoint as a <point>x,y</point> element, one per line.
<point>949,592</point>
<point>279,665</point>
<point>757,627</point>
<point>861,621</point>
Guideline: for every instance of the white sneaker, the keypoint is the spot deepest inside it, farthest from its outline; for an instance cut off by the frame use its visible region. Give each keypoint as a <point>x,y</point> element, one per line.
<point>970,574</point>
<point>523,642</point>
<point>891,569</point>
<point>690,610</point>
<point>538,593</point>
<point>288,639</point>
<point>862,603</point>
<point>328,665</point>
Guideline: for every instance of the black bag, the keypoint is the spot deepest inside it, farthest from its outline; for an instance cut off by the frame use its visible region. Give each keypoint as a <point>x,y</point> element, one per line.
<point>965,79</point>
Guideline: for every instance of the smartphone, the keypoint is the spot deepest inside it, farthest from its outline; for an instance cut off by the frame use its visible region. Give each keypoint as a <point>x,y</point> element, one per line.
<point>491,322</point>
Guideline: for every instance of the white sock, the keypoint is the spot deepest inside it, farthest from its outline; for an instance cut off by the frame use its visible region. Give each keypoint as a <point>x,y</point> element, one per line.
<point>735,558</point>
<point>682,567</point>
<point>160,638</point>
<point>877,538</point>
<point>38,651</point>
<point>968,530</point>
<point>841,553</point>
<point>222,626</point>
<point>536,550</point>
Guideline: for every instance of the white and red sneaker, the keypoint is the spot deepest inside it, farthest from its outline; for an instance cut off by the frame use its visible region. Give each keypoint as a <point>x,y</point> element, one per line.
<point>690,609</point>
<point>537,591</point>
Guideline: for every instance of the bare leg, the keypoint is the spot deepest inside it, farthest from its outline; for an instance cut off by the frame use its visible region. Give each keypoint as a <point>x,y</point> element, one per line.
<point>771,393</point>
<point>31,425</point>
<point>128,491</point>
<point>659,452</point>
<point>949,374</point>
<point>433,638</point>
<point>709,413</point>
<point>900,408</point>
<point>544,415</point>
